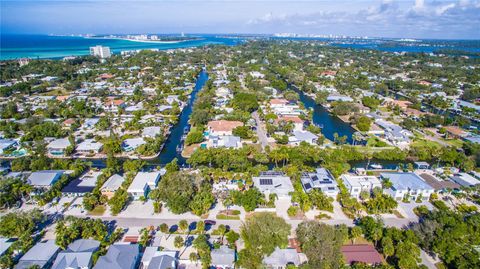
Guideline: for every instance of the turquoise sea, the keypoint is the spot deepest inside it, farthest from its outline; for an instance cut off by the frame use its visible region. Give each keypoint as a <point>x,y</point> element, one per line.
<point>44,46</point>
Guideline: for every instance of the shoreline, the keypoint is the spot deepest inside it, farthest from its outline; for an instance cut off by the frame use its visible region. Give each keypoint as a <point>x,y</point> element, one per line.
<point>142,41</point>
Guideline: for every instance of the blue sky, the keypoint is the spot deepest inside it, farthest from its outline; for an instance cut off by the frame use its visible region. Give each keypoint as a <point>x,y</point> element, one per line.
<point>386,18</point>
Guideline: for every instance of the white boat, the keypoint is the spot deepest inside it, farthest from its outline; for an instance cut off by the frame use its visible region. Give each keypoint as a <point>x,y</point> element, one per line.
<point>376,166</point>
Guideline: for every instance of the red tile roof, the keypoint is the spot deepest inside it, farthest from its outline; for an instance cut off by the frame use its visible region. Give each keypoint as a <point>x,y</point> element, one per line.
<point>278,102</point>
<point>223,125</point>
<point>361,253</point>
<point>294,119</point>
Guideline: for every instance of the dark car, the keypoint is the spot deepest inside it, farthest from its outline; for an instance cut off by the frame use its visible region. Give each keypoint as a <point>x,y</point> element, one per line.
<point>210,222</point>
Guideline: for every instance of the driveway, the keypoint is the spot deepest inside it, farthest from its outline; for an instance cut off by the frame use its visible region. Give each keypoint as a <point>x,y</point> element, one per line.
<point>262,136</point>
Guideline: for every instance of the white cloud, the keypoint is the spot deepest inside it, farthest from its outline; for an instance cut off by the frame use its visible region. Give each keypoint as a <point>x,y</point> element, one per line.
<point>436,19</point>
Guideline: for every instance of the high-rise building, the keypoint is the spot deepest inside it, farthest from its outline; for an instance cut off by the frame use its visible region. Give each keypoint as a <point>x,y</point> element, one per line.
<point>100,51</point>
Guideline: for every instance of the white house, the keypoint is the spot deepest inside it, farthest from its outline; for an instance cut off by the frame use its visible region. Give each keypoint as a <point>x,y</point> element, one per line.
<point>58,146</point>
<point>8,144</point>
<point>356,184</point>
<point>407,184</point>
<point>143,183</point>
<point>151,131</point>
<point>465,180</point>
<point>89,146</point>
<point>321,180</point>
<point>132,144</point>
<point>302,136</point>
<point>223,257</point>
<point>273,182</point>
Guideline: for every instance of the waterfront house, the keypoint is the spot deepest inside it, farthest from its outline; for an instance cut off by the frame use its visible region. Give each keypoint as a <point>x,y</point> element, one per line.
<point>154,258</point>
<point>356,184</point>
<point>112,184</point>
<point>8,145</point>
<point>77,255</point>
<point>5,244</point>
<point>89,146</point>
<point>42,180</point>
<point>151,131</point>
<point>222,127</point>
<point>273,182</point>
<point>407,185</point>
<point>57,147</point>
<point>465,180</point>
<point>339,98</point>
<point>302,136</point>
<point>364,253</point>
<point>223,257</point>
<point>227,141</point>
<point>295,120</point>
<point>119,256</point>
<point>42,254</point>
<point>132,144</point>
<point>281,258</point>
<point>172,99</point>
<point>143,183</point>
<point>321,180</point>
<point>84,184</point>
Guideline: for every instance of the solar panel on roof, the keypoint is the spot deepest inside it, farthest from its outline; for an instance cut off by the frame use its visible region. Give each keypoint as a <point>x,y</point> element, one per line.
<point>266,181</point>
<point>308,186</point>
<point>314,178</point>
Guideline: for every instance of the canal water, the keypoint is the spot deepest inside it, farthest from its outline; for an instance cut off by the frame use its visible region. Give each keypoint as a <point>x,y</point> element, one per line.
<point>169,151</point>
<point>330,123</point>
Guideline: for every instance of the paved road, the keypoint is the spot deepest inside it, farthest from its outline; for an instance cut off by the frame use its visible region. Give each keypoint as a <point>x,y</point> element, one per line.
<point>262,136</point>
<point>233,224</point>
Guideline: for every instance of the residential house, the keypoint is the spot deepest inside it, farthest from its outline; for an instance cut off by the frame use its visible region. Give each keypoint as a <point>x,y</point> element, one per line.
<point>5,244</point>
<point>281,258</point>
<point>339,98</point>
<point>119,256</point>
<point>302,136</point>
<point>84,184</point>
<point>8,145</point>
<point>112,184</point>
<point>57,147</point>
<point>465,180</point>
<point>143,183</point>
<point>151,131</point>
<point>154,258</point>
<point>132,144</point>
<point>356,184</point>
<point>44,179</point>
<point>273,182</point>
<point>227,141</point>
<point>407,185</point>
<point>295,120</point>
<point>42,254</point>
<point>222,127</point>
<point>361,254</point>
<point>172,99</point>
<point>321,180</point>
<point>78,255</point>
<point>113,105</point>
<point>223,257</point>
<point>89,146</point>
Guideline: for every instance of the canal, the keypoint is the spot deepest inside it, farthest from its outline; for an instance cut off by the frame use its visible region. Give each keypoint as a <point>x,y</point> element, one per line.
<point>169,151</point>
<point>330,123</point>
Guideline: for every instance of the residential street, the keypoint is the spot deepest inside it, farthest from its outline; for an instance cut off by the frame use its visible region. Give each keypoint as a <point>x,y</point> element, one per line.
<point>262,136</point>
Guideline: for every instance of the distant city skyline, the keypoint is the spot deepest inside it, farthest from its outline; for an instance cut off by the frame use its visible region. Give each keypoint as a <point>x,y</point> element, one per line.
<point>448,19</point>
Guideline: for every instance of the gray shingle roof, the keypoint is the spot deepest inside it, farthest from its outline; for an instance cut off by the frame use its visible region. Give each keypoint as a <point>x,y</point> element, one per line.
<point>83,245</point>
<point>223,256</point>
<point>39,254</point>
<point>44,178</point>
<point>119,256</point>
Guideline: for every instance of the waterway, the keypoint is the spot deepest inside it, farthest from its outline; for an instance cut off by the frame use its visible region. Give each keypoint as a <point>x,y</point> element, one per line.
<point>330,123</point>
<point>169,151</point>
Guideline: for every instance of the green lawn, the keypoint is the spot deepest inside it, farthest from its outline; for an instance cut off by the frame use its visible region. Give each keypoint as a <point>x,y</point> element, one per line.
<point>98,211</point>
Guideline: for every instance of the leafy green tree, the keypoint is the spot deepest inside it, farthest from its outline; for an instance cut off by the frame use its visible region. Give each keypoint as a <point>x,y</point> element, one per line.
<point>194,137</point>
<point>321,244</point>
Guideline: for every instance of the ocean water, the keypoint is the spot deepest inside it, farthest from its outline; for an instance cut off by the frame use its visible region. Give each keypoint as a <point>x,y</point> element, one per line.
<point>44,46</point>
